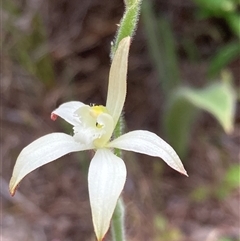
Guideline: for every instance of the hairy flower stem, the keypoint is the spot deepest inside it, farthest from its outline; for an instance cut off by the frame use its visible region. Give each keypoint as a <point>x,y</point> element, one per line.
<point>126,28</point>
<point>117,225</point>
<point>128,23</point>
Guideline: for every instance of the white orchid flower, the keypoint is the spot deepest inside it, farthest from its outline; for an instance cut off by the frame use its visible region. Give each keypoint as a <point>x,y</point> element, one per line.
<point>93,127</point>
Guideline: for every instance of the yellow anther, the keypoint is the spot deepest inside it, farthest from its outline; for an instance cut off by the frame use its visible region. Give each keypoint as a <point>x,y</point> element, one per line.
<point>97,110</point>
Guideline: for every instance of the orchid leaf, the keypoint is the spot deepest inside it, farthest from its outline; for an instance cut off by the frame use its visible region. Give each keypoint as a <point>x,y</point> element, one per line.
<point>219,99</point>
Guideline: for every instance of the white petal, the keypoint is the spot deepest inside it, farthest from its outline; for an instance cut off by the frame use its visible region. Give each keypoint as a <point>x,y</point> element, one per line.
<point>40,152</point>
<point>67,111</point>
<point>106,179</point>
<point>117,80</point>
<point>146,142</point>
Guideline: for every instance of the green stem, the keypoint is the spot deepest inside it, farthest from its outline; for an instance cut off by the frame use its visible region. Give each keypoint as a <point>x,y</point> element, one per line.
<point>128,23</point>
<point>117,225</point>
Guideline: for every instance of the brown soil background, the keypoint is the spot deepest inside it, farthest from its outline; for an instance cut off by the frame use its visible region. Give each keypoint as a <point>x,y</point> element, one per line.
<point>52,202</point>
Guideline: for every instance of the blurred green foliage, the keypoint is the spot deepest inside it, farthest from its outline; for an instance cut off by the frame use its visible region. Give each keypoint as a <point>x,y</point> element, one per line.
<point>228,11</point>
<point>226,239</point>
<point>201,193</point>
<point>161,47</point>
<point>224,9</point>
<point>164,231</point>
<point>231,181</point>
<point>220,190</point>
<point>28,48</point>
<point>226,55</point>
<point>217,98</point>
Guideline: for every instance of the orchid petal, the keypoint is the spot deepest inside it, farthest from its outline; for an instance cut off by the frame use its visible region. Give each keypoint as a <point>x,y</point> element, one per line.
<point>40,152</point>
<point>148,143</point>
<point>117,85</point>
<point>106,179</point>
<point>67,111</point>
